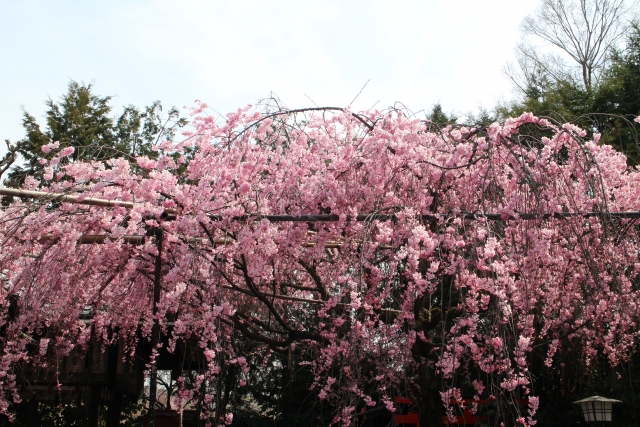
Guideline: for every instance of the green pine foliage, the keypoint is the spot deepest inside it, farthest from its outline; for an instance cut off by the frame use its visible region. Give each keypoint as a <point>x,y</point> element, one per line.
<point>607,108</point>
<point>83,120</point>
<point>618,98</point>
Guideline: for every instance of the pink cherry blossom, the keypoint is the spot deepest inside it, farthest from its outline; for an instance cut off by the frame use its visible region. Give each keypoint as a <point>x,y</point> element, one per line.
<point>516,228</point>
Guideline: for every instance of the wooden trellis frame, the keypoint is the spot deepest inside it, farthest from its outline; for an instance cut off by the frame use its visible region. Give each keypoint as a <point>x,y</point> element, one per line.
<point>64,198</point>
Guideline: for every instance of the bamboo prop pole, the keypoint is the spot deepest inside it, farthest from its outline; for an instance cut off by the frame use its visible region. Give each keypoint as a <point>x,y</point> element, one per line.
<point>248,292</point>
<point>429,217</point>
<point>138,239</point>
<point>299,299</point>
<point>63,198</point>
<point>87,239</point>
<point>320,218</point>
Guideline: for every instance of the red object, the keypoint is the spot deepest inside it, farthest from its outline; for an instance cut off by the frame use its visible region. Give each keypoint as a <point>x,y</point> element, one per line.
<point>164,418</point>
<point>403,416</point>
<point>464,416</point>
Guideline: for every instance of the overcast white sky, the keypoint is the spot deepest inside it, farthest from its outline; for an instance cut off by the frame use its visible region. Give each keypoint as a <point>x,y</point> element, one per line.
<point>232,53</point>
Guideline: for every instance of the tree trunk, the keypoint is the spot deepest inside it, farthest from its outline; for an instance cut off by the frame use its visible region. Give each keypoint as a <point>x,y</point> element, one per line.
<point>93,410</point>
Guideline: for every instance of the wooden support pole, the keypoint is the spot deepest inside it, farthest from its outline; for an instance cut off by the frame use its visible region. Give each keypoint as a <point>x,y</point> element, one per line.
<point>155,332</point>
<point>114,411</point>
<point>93,410</point>
<point>94,388</point>
<point>114,408</point>
<point>34,418</point>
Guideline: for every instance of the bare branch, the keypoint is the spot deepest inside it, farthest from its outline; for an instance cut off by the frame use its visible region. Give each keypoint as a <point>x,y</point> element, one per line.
<point>584,30</point>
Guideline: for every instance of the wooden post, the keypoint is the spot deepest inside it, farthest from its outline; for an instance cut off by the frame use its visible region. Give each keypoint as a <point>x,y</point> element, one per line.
<point>155,333</point>
<point>115,405</point>
<point>33,413</point>
<point>93,410</point>
<point>115,410</point>
<point>94,388</point>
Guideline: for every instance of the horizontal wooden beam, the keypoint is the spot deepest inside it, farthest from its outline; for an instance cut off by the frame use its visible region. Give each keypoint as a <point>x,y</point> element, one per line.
<point>87,239</point>
<point>65,198</point>
<point>62,198</point>
<point>429,217</point>
<point>138,239</point>
<point>59,197</point>
<point>249,292</point>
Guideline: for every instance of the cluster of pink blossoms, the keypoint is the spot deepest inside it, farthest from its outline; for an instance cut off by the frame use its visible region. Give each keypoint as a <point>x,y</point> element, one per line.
<point>454,249</point>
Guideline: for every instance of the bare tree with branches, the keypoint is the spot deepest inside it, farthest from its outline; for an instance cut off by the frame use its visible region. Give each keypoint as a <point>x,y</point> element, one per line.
<point>583,30</point>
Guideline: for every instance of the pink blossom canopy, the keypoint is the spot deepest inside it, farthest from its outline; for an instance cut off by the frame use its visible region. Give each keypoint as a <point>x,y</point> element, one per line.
<point>401,268</point>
